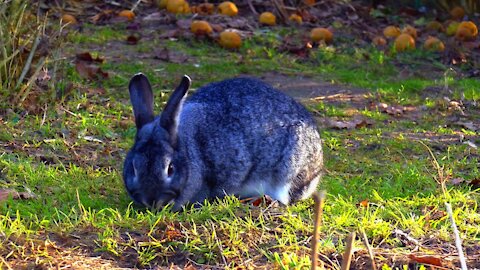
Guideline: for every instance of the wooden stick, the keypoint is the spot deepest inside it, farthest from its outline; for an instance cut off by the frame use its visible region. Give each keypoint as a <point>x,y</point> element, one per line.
<point>135,6</point>
<point>347,255</point>
<point>458,241</point>
<point>369,249</point>
<point>319,199</point>
<point>252,8</point>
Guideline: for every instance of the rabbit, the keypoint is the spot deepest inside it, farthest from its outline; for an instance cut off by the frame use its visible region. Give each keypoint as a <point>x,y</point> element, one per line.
<point>235,137</point>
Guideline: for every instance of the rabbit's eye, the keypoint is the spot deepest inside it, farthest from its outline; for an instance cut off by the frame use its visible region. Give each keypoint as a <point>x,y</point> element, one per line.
<point>170,170</point>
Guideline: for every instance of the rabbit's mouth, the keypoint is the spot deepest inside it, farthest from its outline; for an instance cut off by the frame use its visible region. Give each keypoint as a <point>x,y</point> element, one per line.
<point>165,198</point>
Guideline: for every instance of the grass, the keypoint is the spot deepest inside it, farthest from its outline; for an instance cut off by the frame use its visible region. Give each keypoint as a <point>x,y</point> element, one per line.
<point>71,159</point>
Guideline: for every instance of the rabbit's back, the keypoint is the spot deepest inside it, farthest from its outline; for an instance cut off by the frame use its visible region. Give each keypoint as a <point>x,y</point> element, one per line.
<point>250,138</point>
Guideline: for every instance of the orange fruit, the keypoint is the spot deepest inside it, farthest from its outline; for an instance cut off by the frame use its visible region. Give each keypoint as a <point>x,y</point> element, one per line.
<point>203,9</point>
<point>295,18</point>
<point>200,28</point>
<point>410,30</point>
<point>435,26</point>
<point>67,18</point>
<point>127,14</point>
<point>391,31</point>
<point>379,41</point>
<point>230,40</point>
<point>466,31</point>
<point>228,8</point>
<point>178,6</point>
<point>434,44</point>
<point>162,4</point>
<point>404,42</point>
<point>267,18</point>
<point>457,13</point>
<point>321,34</point>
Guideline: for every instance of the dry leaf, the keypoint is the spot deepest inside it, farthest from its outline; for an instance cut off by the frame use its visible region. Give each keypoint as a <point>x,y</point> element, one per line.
<point>103,16</point>
<point>263,201</point>
<point>172,233</point>
<point>457,181</point>
<point>426,259</point>
<point>170,56</point>
<point>7,193</point>
<point>89,71</point>
<point>355,123</point>
<point>392,110</point>
<point>87,57</point>
<point>132,40</point>
<point>363,203</point>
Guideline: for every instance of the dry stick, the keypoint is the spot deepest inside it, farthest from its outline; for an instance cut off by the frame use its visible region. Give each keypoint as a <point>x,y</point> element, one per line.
<point>369,249</point>
<point>252,8</point>
<point>135,6</point>
<point>23,93</point>
<point>280,7</point>
<point>6,264</point>
<point>458,241</point>
<point>26,68</point>
<point>441,181</point>
<point>319,199</point>
<point>347,255</point>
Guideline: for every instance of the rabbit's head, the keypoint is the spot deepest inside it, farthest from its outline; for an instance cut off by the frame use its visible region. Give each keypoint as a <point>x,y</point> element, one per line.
<point>152,173</point>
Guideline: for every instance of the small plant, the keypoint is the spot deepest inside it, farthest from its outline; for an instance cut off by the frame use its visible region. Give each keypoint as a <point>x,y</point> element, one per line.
<point>22,49</point>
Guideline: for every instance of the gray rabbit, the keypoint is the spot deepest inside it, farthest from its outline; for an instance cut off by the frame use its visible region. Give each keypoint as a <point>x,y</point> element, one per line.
<point>238,136</point>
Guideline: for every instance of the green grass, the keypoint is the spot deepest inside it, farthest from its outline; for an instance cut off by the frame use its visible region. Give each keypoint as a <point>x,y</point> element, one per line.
<point>71,159</point>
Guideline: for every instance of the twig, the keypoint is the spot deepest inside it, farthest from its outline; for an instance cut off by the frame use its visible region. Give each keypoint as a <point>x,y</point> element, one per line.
<point>347,255</point>
<point>44,117</point>
<point>26,68</point>
<point>219,244</point>
<point>23,93</point>
<point>398,233</point>
<point>252,8</point>
<point>6,264</point>
<point>136,5</point>
<point>319,199</point>
<point>280,7</point>
<point>458,240</point>
<point>369,249</point>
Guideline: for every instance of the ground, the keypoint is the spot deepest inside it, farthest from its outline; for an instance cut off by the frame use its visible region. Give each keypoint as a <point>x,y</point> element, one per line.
<point>400,134</point>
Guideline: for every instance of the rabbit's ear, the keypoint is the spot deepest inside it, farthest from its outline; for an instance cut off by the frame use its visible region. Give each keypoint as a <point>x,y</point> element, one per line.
<point>142,99</point>
<point>169,116</point>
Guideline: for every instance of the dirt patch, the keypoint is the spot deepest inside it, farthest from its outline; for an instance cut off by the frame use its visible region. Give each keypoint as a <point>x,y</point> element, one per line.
<point>308,89</point>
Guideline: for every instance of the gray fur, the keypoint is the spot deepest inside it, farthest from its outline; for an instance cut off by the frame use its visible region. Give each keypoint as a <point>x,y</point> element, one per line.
<point>238,136</point>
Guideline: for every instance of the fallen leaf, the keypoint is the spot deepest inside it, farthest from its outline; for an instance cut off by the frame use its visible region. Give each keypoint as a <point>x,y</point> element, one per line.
<point>7,193</point>
<point>426,259</point>
<point>170,56</point>
<point>355,123</point>
<point>390,109</point>
<point>363,203</point>
<point>263,201</point>
<point>87,57</point>
<point>89,71</point>
<point>172,233</point>
<point>475,183</point>
<point>132,40</point>
<point>103,16</point>
<point>457,181</point>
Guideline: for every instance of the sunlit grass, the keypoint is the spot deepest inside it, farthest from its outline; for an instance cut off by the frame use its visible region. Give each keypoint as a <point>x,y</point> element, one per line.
<point>71,159</point>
